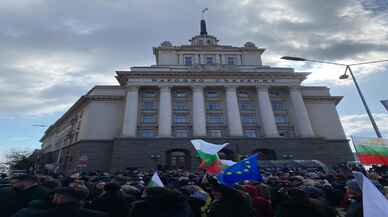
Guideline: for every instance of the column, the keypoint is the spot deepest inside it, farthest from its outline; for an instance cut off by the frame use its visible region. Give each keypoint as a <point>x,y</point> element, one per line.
<point>165,111</point>
<point>303,123</point>
<point>233,112</point>
<point>218,59</point>
<point>130,113</point>
<point>266,112</point>
<point>199,116</point>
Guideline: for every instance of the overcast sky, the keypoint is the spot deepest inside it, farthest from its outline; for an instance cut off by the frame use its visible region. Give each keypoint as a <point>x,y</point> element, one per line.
<point>54,51</point>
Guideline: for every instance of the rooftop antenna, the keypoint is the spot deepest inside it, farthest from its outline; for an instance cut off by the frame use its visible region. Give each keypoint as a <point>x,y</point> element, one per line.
<point>203,22</point>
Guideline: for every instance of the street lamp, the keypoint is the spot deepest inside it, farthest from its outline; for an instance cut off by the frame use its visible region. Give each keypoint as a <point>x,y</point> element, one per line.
<point>345,76</point>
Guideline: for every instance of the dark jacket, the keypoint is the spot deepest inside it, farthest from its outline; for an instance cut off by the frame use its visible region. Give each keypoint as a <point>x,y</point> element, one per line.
<point>233,204</point>
<point>11,200</point>
<point>161,202</point>
<point>299,205</point>
<point>355,209</point>
<point>66,210</point>
<point>113,203</point>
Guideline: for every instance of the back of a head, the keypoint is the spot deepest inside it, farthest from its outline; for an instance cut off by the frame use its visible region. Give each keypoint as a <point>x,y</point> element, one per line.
<point>112,187</point>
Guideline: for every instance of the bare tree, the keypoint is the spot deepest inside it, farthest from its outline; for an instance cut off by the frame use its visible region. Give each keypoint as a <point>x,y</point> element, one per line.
<point>19,160</point>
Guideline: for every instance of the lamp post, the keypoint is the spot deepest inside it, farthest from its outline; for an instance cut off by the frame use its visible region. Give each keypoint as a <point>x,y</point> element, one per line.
<point>345,76</point>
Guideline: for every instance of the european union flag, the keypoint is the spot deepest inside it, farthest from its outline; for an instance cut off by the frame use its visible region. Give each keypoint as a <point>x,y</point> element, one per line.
<point>246,169</point>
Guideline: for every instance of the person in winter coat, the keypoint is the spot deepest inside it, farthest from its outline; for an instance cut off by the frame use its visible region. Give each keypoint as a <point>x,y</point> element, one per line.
<point>25,189</point>
<point>298,205</point>
<point>112,201</point>
<point>66,202</point>
<point>229,202</point>
<point>161,202</point>
<point>196,197</point>
<point>355,194</point>
<point>262,206</point>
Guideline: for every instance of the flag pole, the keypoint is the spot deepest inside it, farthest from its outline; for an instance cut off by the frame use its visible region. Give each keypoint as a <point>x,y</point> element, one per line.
<point>355,150</point>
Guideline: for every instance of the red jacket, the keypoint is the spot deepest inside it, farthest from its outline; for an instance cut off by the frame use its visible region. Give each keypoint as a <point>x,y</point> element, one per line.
<point>261,205</point>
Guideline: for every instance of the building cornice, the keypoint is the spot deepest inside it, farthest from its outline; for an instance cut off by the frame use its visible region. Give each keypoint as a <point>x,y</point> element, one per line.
<point>217,48</point>
<point>104,98</point>
<point>124,76</point>
<point>321,99</point>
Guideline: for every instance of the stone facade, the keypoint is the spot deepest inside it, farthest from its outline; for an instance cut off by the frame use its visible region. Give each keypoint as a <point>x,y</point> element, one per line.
<point>136,152</point>
<point>202,90</point>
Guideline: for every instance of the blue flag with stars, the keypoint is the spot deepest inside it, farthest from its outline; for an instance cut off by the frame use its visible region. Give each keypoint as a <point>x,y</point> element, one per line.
<point>246,169</point>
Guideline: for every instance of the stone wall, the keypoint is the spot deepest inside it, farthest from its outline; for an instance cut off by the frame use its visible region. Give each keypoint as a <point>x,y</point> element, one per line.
<point>136,152</point>
<point>122,153</point>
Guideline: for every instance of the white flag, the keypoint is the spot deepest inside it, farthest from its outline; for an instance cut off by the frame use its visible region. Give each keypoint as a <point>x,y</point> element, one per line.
<point>227,163</point>
<point>155,181</point>
<point>373,201</point>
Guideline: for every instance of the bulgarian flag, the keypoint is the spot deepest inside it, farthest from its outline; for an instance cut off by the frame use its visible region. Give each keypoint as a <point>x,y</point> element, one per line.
<point>208,154</point>
<point>371,150</point>
<point>155,181</point>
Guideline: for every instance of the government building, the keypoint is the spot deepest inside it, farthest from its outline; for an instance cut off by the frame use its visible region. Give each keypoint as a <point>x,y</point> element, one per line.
<point>206,90</point>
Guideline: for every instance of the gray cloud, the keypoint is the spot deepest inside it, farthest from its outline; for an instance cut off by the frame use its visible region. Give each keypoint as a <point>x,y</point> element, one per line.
<point>51,52</point>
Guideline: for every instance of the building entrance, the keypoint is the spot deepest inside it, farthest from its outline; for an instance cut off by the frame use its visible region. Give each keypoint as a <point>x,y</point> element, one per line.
<point>178,159</point>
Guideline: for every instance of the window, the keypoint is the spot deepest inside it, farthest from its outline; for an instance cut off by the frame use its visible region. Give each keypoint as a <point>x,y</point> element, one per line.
<point>212,94</point>
<point>215,133</point>
<point>281,119</point>
<point>181,133</point>
<point>247,106</point>
<point>148,105</point>
<point>180,94</point>
<point>215,119</point>
<point>231,60</point>
<point>209,60</point>
<point>180,106</point>
<point>147,119</point>
<point>188,60</point>
<point>148,133</point>
<point>250,133</point>
<point>214,106</point>
<point>149,93</point>
<point>283,132</point>
<point>248,119</point>
<point>277,92</point>
<point>179,119</point>
<point>243,94</point>
<point>279,106</point>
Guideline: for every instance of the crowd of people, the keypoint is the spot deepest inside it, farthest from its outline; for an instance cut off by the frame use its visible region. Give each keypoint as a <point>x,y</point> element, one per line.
<point>284,192</point>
